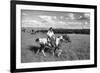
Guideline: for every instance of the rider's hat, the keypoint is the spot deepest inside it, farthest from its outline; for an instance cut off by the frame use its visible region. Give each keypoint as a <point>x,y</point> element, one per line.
<point>50,28</point>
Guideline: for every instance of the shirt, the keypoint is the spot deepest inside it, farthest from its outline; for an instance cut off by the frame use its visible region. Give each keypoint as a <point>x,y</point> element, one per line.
<point>50,33</point>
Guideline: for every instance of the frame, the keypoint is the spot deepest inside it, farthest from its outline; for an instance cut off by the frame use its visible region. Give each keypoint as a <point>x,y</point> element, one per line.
<point>82,23</point>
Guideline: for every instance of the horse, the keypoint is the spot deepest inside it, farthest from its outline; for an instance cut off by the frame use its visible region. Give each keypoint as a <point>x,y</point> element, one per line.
<point>59,39</point>
<point>43,43</point>
<point>51,44</point>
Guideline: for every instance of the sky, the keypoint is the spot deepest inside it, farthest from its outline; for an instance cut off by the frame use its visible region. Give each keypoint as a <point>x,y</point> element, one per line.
<point>46,19</point>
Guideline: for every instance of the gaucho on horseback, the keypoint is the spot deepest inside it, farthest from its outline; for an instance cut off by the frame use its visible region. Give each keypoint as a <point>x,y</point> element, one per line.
<point>51,37</point>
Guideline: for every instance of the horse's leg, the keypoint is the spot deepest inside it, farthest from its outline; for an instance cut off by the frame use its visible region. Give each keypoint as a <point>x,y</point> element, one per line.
<point>53,51</point>
<point>60,51</point>
<point>37,51</point>
<point>43,51</point>
<point>54,47</point>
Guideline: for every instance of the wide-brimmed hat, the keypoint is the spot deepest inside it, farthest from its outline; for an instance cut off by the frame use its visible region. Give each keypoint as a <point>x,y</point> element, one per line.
<point>50,28</point>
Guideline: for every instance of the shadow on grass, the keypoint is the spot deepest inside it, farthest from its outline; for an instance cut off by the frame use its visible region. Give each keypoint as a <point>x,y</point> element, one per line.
<point>34,48</point>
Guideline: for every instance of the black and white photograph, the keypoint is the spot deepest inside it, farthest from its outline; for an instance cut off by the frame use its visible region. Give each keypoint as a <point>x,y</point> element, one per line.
<point>54,36</point>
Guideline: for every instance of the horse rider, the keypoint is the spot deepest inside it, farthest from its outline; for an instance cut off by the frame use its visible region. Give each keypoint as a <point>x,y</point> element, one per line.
<point>51,37</point>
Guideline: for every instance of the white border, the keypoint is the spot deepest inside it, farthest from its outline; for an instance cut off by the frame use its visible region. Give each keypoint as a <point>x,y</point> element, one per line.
<point>20,65</point>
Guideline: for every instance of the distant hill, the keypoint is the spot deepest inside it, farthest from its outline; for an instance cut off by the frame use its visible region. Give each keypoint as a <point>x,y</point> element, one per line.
<point>59,31</point>
<point>69,31</point>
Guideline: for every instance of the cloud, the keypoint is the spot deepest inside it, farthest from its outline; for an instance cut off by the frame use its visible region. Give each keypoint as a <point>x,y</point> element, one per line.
<point>46,17</point>
<point>71,15</point>
<point>87,15</point>
<point>62,22</point>
<point>49,19</point>
<point>31,23</point>
<point>52,21</point>
<point>24,14</point>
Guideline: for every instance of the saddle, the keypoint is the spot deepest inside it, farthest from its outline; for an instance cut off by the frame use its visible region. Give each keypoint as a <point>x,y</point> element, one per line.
<point>52,41</point>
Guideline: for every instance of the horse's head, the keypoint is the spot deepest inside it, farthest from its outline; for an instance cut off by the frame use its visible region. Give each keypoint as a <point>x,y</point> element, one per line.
<point>61,38</point>
<point>37,40</point>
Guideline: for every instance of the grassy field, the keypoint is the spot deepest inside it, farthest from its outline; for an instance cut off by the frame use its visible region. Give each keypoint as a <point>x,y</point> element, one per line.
<point>79,49</point>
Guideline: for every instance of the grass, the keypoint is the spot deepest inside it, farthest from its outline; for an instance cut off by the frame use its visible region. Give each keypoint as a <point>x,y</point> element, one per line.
<point>79,49</point>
